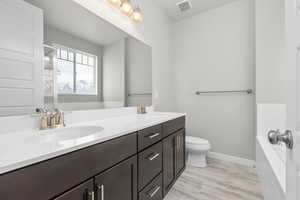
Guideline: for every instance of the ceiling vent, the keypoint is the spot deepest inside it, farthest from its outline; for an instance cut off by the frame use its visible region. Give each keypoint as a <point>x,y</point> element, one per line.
<point>184,5</point>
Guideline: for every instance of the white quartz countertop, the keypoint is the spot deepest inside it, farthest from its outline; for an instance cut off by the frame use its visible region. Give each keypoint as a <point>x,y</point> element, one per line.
<point>20,149</point>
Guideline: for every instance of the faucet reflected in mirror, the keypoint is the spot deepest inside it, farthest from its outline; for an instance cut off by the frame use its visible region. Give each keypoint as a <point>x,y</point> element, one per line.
<point>50,119</point>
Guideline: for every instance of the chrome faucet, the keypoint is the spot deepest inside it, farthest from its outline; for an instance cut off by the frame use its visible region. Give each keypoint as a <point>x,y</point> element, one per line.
<point>50,119</point>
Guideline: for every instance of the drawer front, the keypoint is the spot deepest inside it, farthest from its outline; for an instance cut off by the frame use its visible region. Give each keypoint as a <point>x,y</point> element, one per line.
<point>150,164</point>
<point>149,136</point>
<point>55,176</point>
<point>173,126</point>
<point>153,191</point>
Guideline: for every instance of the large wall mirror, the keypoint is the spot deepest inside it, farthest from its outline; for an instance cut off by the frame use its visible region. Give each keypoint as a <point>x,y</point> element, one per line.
<point>87,63</point>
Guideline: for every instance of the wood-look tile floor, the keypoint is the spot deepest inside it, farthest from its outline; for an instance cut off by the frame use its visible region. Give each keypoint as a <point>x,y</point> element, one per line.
<point>219,181</point>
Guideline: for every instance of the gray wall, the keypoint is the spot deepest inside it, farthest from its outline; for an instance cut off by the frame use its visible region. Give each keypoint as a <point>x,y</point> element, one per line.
<point>155,31</point>
<point>114,72</point>
<point>270,70</point>
<point>138,72</point>
<point>215,51</point>
<point>55,36</point>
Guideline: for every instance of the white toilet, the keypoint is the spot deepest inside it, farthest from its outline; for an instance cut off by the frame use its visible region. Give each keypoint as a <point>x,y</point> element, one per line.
<point>197,149</point>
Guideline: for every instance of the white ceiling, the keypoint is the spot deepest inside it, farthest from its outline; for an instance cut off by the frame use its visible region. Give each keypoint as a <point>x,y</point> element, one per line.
<point>197,6</point>
<point>71,18</point>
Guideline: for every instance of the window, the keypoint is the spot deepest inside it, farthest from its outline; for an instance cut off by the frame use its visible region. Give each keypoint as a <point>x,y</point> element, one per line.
<point>77,72</point>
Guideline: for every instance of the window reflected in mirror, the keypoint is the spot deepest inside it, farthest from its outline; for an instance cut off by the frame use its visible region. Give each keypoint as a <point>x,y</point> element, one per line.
<point>76,71</point>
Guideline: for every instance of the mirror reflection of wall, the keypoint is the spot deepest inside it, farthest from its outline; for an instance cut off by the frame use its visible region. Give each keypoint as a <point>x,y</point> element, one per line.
<point>78,66</point>
<point>66,57</point>
<point>114,74</point>
<point>88,63</point>
<point>138,73</point>
<point>131,84</point>
<point>50,92</point>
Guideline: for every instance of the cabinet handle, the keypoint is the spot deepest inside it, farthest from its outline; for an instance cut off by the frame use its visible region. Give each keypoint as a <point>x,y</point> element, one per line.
<point>101,188</point>
<point>155,190</point>
<point>153,135</point>
<point>91,195</point>
<point>153,156</point>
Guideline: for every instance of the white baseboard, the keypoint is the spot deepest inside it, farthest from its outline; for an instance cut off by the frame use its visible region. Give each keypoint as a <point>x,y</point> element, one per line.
<point>233,159</point>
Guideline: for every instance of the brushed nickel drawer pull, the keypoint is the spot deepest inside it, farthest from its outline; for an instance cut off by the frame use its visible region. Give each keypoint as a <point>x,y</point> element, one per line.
<point>153,135</point>
<point>92,195</point>
<point>155,190</point>
<point>153,156</point>
<point>101,188</point>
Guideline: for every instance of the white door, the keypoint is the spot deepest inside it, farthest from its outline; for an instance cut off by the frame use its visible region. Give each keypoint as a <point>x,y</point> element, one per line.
<point>21,57</point>
<point>292,62</point>
<point>292,26</point>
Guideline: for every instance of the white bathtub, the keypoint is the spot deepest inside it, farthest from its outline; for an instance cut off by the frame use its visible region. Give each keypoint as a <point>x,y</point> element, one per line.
<point>270,159</point>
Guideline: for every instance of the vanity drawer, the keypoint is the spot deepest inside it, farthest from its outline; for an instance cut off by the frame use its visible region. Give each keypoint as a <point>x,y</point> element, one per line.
<point>150,164</point>
<point>47,179</point>
<point>173,126</point>
<point>149,136</point>
<point>153,191</point>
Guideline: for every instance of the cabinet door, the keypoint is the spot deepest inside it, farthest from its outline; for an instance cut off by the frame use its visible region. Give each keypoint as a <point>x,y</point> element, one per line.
<point>81,192</point>
<point>180,152</point>
<point>169,166</point>
<point>119,182</point>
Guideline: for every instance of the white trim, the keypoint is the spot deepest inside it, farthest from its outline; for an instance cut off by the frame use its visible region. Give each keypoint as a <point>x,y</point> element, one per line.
<point>233,159</point>
<point>272,188</point>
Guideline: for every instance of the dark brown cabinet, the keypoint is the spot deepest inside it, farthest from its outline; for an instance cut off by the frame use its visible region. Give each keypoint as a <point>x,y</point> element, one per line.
<point>173,158</point>
<point>119,182</point>
<point>168,163</point>
<point>150,164</point>
<point>149,136</point>
<point>153,191</point>
<point>57,175</point>
<point>172,126</point>
<point>138,166</point>
<point>84,191</point>
<point>180,151</point>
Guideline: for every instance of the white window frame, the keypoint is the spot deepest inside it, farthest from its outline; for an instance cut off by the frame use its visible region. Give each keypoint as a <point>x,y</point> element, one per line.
<point>75,52</point>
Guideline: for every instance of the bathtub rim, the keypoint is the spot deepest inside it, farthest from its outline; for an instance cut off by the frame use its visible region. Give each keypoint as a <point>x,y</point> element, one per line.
<point>273,159</point>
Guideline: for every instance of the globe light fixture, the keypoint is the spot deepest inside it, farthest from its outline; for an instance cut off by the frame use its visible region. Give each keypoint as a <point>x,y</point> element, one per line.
<point>137,15</point>
<point>115,2</point>
<point>126,7</point>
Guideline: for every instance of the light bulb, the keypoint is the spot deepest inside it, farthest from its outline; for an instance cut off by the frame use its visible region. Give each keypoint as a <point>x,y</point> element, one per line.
<point>136,15</point>
<point>126,8</point>
<point>115,2</point>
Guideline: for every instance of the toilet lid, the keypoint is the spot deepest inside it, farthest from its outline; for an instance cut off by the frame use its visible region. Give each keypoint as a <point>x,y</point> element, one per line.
<point>196,140</point>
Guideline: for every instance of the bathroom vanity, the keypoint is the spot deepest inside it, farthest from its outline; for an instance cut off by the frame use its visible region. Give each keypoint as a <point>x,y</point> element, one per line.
<point>123,165</point>
<point>106,152</point>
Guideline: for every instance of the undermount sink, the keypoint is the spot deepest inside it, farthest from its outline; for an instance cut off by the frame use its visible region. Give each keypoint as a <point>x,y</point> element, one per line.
<point>70,133</point>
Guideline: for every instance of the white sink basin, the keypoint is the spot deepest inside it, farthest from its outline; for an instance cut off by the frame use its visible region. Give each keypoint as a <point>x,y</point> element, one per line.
<point>70,133</point>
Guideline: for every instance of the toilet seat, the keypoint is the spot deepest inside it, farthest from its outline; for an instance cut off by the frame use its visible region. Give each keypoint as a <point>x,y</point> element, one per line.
<point>196,140</point>
<point>195,143</point>
<point>197,149</point>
